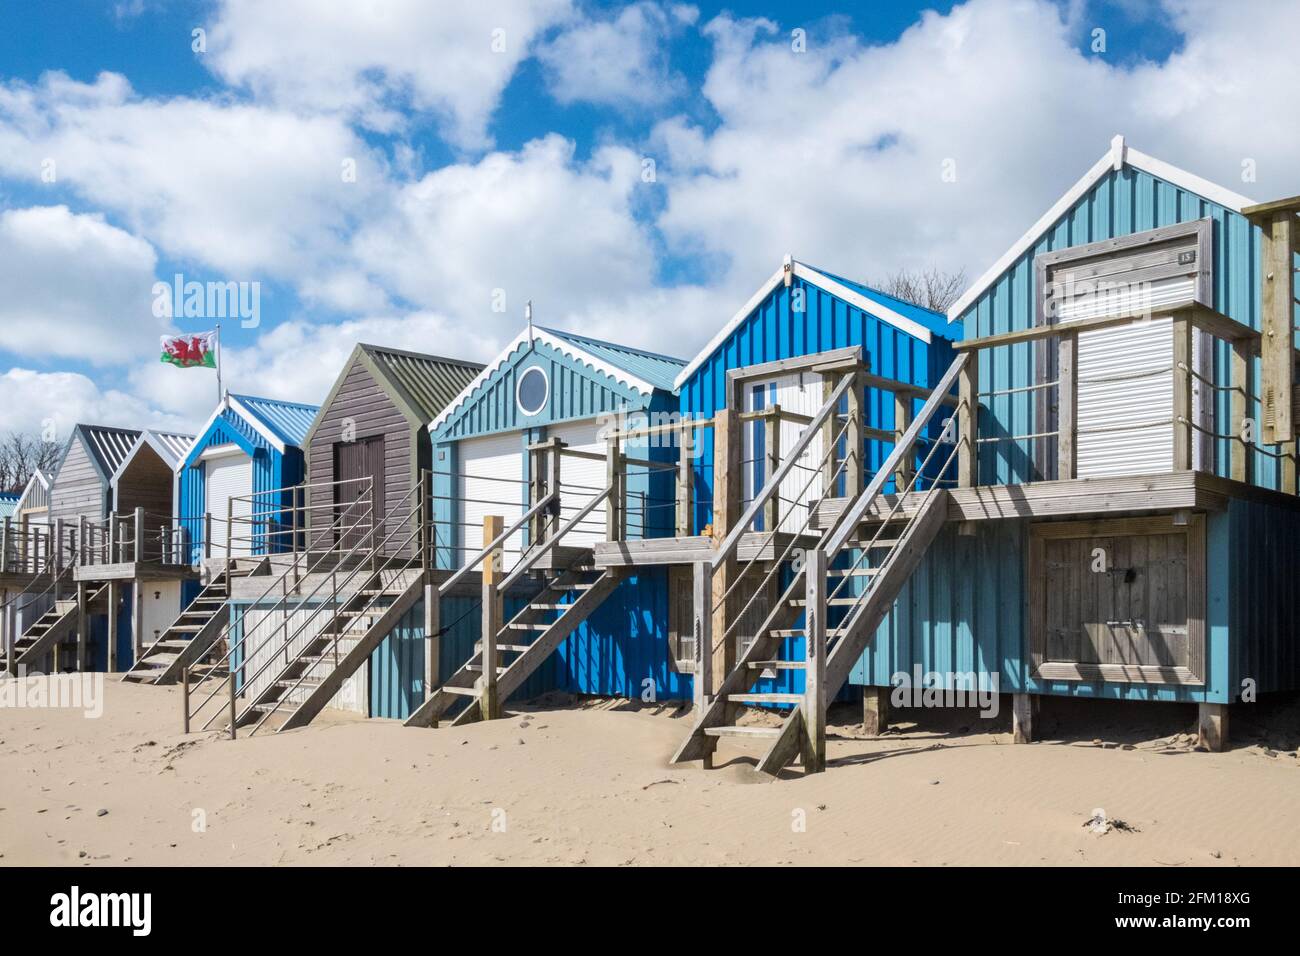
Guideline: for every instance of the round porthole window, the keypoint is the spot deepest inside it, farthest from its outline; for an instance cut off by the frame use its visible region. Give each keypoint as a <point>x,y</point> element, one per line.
<point>532,390</point>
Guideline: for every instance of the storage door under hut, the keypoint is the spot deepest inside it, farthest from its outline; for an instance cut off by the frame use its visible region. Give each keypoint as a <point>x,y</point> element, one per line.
<point>354,463</point>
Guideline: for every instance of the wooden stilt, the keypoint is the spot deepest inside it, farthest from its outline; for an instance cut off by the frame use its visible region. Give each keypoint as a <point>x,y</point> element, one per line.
<point>1022,718</point>
<point>875,710</point>
<point>1213,726</point>
<point>83,628</point>
<point>489,706</point>
<point>114,593</point>
<point>814,695</point>
<point>432,640</point>
<point>702,681</point>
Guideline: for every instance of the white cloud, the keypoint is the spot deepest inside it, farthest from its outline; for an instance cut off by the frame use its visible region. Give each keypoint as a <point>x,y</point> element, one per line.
<point>33,401</point>
<point>246,190</point>
<point>534,224</point>
<point>370,60</point>
<point>836,154</point>
<point>74,287</point>
<point>622,61</point>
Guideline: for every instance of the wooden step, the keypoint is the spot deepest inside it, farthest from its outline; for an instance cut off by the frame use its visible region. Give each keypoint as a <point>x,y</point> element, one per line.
<point>514,648</point>
<point>880,543</point>
<point>742,731</point>
<point>831,602</point>
<point>523,627</point>
<point>765,698</point>
<point>799,632</point>
<point>478,669</point>
<point>459,691</point>
<point>778,665</point>
<point>853,572</point>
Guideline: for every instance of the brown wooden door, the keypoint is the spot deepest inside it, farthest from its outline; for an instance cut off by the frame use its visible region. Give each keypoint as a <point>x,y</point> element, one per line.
<point>1120,600</point>
<point>353,461</point>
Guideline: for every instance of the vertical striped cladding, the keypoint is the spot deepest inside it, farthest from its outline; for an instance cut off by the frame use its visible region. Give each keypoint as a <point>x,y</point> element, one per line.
<point>774,330</point>
<point>576,391</point>
<point>620,651</point>
<point>1263,566</point>
<point>78,487</point>
<point>1120,204</point>
<point>272,470</point>
<point>963,612</point>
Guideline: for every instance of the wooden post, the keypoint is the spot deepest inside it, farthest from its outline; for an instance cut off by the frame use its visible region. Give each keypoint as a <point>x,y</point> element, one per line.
<point>139,535</point>
<point>489,706</point>
<point>114,592</point>
<point>5,531</point>
<point>727,485</point>
<point>875,710</point>
<point>1182,392</point>
<point>185,698</point>
<point>968,423</point>
<point>855,445</point>
<point>233,691</point>
<point>814,695</point>
<point>902,421</point>
<point>1022,718</point>
<point>614,503</point>
<point>207,534</point>
<point>554,461</point>
<point>432,638</point>
<point>1067,403</point>
<point>1277,356</point>
<point>83,627</point>
<point>702,679</point>
<point>58,550</point>
<point>83,541</point>
<point>771,462</point>
<point>1213,726</point>
<point>137,618</point>
<point>685,482</point>
<point>1240,454</point>
<point>114,548</point>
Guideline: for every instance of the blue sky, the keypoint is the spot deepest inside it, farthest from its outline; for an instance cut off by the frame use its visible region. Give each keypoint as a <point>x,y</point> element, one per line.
<point>490,175</point>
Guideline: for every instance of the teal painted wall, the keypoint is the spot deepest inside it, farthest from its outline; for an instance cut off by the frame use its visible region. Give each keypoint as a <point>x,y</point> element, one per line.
<point>1121,204</point>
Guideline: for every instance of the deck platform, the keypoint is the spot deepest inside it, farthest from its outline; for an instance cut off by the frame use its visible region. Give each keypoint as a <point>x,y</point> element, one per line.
<point>135,571</point>
<point>685,550</point>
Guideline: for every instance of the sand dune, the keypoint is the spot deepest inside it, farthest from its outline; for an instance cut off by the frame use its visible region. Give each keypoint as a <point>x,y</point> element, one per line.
<point>588,782</point>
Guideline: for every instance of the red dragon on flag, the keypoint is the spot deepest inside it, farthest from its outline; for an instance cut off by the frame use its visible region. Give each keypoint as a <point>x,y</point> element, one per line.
<point>193,350</point>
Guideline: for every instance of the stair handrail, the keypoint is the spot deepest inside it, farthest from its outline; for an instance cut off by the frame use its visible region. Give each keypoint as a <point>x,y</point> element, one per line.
<point>773,483</point>
<point>363,612</point>
<point>853,514</point>
<point>375,552</point>
<point>528,560</point>
<point>795,539</point>
<point>545,502</point>
<point>367,498</point>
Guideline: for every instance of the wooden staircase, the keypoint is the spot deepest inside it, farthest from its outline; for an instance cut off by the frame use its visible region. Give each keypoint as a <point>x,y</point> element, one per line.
<point>852,577</point>
<point>526,640</point>
<point>302,687</point>
<point>55,627</point>
<point>194,632</point>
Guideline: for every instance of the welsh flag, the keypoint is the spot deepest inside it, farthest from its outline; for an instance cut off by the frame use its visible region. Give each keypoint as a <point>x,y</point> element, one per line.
<point>194,350</point>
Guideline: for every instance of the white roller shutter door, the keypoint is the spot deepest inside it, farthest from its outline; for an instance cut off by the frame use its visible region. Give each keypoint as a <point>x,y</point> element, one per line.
<point>230,476</point>
<point>581,479</point>
<point>1125,381</point>
<point>492,469</point>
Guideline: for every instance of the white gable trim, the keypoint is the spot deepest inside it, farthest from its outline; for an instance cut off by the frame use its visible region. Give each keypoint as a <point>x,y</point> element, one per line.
<point>147,437</point>
<point>812,277</point>
<point>560,345</point>
<point>1115,159</point>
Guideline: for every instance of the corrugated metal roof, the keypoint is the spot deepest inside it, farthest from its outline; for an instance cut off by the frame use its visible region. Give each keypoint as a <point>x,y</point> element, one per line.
<point>658,370</point>
<point>175,445</point>
<point>289,421</point>
<point>8,503</point>
<point>109,446</point>
<point>936,322</point>
<point>431,381</point>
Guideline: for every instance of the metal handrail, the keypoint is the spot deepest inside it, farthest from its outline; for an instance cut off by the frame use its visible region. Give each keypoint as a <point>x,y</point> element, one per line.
<point>277,581</point>
<point>529,560</point>
<point>362,613</point>
<point>374,552</point>
<point>447,585</point>
<point>774,480</point>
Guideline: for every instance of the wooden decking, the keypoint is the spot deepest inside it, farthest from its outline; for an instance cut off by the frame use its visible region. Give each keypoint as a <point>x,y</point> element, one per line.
<point>135,571</point>
<point>659,551</point>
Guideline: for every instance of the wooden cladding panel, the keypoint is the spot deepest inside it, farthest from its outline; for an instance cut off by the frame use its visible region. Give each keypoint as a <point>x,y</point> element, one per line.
<point>1138,617</point>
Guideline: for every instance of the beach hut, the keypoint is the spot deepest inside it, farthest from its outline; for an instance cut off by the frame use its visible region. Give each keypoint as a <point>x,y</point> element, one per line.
<point>245,459</point>
<point>1108,502</point>
<point>371,436</point>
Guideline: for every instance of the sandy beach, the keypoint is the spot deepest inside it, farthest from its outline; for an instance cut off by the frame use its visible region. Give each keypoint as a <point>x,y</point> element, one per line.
<point>587,782</point>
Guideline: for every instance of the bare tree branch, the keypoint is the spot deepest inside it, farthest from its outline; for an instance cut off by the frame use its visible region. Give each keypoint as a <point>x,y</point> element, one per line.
<point>20,455</point>
<point>931,289</point>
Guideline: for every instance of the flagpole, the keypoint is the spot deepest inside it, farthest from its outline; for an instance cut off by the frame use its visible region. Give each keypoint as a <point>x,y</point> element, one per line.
<point>220,395</point>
